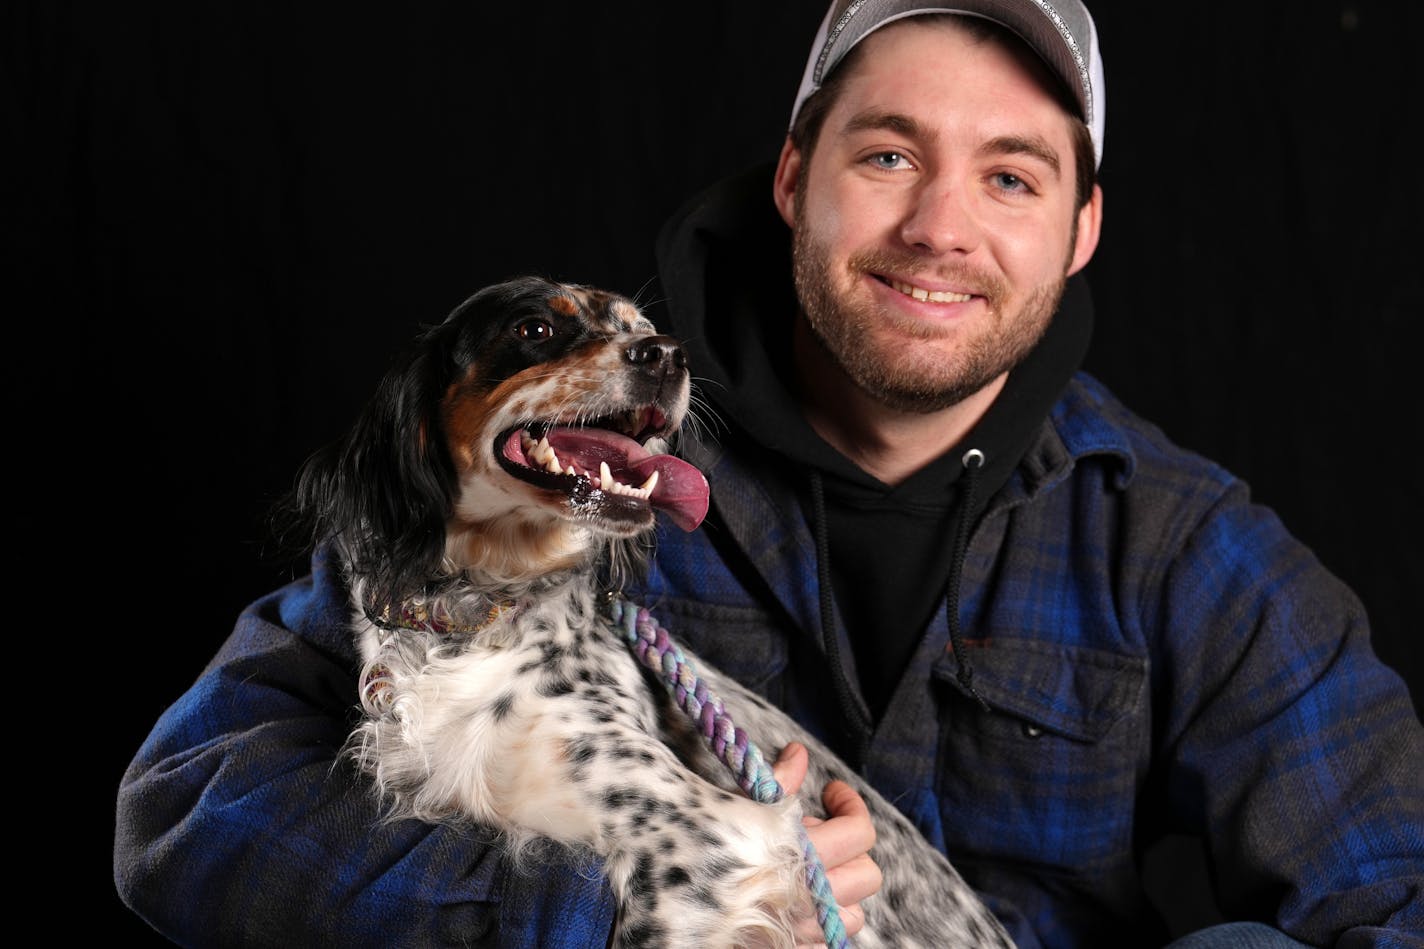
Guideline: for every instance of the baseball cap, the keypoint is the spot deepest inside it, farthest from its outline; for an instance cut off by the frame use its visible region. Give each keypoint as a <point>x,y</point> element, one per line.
<point>1061,32</point>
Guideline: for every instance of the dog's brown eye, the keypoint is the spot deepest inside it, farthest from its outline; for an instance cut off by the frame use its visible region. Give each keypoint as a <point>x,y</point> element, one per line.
<point>534,330</point>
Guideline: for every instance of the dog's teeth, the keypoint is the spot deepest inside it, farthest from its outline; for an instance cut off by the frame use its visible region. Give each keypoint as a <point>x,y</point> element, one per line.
<point>539,452</point>
<point>551,463</point>
<point>649,485</point>
<point>605,478</point>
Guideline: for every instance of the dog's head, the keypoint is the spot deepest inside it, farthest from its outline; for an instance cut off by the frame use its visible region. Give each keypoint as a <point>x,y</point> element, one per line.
<point>517,438</point>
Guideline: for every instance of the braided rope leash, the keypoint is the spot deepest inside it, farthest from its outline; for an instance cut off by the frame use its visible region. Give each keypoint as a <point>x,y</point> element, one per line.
<point>653,647</point>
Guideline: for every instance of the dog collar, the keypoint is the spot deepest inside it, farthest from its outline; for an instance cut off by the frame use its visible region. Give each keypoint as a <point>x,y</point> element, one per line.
<point>377,688</point>
<point>435,616</point>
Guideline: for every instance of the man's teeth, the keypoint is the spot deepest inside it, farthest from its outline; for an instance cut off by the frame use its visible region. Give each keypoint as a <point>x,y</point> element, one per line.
<point>933,296</point>
<point>542,454</point>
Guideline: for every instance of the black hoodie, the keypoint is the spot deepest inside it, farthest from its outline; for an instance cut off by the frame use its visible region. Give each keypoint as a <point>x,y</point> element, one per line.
<point>893,551</point>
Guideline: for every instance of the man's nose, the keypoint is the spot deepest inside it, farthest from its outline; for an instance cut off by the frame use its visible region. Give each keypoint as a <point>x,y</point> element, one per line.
<point>940,219</point>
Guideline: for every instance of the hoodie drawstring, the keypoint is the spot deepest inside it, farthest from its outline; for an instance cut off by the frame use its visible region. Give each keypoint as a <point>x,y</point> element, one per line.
<point>860,726</point>
<point>973,461</point>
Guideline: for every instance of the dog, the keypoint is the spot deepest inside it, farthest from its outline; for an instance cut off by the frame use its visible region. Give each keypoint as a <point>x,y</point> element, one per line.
<point>504,476</point>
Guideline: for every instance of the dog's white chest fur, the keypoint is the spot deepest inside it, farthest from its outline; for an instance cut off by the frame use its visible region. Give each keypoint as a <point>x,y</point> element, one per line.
<point>542,725</point>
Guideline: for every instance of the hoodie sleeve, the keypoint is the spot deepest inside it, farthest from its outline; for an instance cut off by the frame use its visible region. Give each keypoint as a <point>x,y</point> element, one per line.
<point>240,824</point>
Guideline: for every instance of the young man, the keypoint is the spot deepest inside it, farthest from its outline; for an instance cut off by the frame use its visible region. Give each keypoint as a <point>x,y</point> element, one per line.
<point>1047,634</point>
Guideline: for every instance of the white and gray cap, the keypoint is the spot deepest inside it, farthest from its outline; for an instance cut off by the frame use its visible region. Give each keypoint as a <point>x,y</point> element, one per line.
<point>1061,32</point>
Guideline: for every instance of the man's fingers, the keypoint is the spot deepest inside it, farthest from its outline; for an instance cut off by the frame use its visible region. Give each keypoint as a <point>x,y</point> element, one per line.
<point>847,831</point>
<point>790,767</point>
<point>809,934</point>
<point>853,881</point>
<point>842,839</point>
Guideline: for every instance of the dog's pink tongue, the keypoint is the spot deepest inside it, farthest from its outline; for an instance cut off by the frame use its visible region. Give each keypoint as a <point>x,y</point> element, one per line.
<point>681,490</point>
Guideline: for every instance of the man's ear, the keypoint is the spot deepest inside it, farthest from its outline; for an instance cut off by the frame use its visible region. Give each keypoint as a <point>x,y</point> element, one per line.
<point>1090,224</point>
<point>783,186</point>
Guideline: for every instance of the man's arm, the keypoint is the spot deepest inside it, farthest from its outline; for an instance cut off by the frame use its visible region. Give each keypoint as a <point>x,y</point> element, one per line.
<point>1291,748</point>
<point>239,823</point>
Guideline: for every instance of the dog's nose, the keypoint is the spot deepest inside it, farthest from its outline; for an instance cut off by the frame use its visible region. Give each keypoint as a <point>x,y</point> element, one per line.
<point>657,355</point>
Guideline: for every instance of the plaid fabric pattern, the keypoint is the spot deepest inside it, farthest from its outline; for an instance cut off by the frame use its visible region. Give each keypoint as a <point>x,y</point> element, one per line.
<point>239,826</point>
<point>1158,653</point>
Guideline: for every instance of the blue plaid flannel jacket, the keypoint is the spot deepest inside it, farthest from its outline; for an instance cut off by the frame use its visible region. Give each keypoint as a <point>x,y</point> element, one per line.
<point>1158,654</point>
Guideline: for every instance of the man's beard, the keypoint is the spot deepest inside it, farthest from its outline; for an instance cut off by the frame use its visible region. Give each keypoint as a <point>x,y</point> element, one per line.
<point>908,374</point>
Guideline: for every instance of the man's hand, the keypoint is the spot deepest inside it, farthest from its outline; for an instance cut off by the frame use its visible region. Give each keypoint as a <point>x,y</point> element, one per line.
<point>843,841</point>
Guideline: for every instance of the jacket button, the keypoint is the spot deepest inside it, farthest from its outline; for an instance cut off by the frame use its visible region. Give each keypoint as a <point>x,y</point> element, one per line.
<point>1031,730</point>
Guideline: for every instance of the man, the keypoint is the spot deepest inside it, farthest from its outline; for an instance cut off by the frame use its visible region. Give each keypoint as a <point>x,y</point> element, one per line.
<point>1046,633</point>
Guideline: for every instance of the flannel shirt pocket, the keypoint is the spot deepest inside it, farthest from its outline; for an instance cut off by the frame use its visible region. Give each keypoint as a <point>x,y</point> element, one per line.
<point>1047,777</point>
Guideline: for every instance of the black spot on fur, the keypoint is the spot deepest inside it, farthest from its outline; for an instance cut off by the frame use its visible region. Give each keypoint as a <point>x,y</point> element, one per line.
<point>676,876</point>
<point>642,934</point>
<point>641,885</point>
<point>894,898</point>
<point>704,896</point>
<point>618,798</point>
<point>554,686</point>
<point>502,706</point>
<point>653,808</point>
<point>640,755</point>
<point>582,750</point>
<point>592,675</point>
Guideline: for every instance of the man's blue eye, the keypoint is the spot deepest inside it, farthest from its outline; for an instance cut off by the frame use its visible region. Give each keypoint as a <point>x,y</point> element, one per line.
<point>1010,182</point>
<point>887,159</point>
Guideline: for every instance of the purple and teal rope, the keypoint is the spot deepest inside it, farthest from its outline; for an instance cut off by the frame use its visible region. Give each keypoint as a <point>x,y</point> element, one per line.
<point>655,649</point>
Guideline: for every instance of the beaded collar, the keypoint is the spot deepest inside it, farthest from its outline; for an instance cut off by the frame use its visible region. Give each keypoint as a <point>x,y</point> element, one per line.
<point>435,616</point>
<point>377,689</point>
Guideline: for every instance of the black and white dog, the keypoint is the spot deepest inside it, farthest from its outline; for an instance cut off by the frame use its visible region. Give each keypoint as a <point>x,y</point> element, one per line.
<point>505,468</point>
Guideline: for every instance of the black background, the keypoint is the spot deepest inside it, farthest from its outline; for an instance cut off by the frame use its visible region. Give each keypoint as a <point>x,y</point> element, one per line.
<point>236,212</point>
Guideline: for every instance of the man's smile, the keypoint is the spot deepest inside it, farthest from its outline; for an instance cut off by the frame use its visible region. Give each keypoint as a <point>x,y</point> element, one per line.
<point>921,294</point>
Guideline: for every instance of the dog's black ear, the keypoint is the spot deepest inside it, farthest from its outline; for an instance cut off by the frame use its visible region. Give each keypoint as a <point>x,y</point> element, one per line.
<point>383,492</point>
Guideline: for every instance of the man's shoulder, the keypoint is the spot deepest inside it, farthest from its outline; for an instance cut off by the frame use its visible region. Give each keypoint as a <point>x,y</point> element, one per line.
<point>1093,423</point>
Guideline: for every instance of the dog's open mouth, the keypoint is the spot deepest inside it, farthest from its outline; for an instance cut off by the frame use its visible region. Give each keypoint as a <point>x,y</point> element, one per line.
<point>603,467</point>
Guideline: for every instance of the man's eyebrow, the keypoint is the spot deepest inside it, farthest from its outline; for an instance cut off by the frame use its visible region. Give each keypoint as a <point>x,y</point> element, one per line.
<point>1032,146</point>
<point>878,120</point>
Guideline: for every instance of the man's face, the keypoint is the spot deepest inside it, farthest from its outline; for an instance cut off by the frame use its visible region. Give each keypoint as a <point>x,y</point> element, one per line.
<point>935,224</point>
